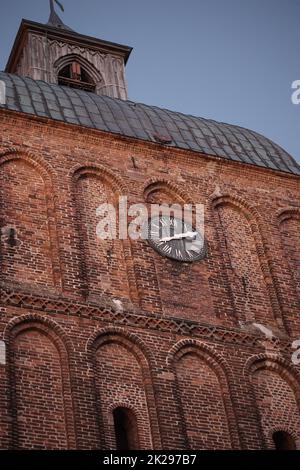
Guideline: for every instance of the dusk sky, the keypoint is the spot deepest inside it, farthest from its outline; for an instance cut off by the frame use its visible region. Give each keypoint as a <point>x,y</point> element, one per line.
<point>229,60</point>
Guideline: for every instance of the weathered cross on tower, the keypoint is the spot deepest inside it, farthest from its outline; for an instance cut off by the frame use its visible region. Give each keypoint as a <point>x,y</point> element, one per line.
<point>54,19</point>
<point>52,9</point>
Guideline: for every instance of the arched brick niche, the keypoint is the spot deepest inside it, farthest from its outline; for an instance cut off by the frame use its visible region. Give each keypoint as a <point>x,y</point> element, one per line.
<point>123,380</point>
<point>127,425</point>
<point>165,192</point>
<point>289,224</point>
<point>40,390</point>
<point>184,288</point>
<point>204,396</point>
<point>284,440</point>
<point>105,263</point>
<point>243,249</point>
<point>29,249</point>
<point>276,387</point>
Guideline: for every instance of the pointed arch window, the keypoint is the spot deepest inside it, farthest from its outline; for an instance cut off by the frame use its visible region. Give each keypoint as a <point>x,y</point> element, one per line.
<point>283,441</point>
<point>126,431</point>
<point>75,76</point>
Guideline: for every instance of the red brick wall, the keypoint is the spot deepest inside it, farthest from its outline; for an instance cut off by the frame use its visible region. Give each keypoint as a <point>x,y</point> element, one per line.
<point>180,350</point>
<point>202,403</point>
<point>24,208</point>
<point>290,232</point>
<point>248,284</point>
<point>104,267</point>
<point>39,402</point>
<point>120,383</point>
<point>277,404</point>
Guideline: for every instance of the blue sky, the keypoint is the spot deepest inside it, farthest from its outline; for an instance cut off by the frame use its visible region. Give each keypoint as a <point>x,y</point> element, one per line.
<point>229,60</point>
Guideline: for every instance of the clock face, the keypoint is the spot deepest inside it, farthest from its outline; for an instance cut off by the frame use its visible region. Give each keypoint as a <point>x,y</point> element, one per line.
<point>176,239</point>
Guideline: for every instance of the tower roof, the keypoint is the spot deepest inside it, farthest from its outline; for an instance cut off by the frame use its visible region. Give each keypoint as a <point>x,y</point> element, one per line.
<point>60,33</point>
<point>54,20</point>
<point>147,123</point>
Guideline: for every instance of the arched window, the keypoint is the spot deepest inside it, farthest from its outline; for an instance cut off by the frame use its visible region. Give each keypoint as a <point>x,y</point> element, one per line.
<point>75,76</point>
<point>283,441</point>
<point>125,429</point>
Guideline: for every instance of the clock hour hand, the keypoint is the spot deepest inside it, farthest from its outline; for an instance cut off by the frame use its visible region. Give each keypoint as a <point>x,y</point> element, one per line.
<point>180,236</point>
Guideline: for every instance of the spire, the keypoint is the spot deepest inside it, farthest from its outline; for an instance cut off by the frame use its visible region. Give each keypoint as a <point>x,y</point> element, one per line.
<point>54,19</point>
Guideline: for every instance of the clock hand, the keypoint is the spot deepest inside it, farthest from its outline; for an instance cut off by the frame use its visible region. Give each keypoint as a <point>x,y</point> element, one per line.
<point>195,246</point>
<point>187,235</point>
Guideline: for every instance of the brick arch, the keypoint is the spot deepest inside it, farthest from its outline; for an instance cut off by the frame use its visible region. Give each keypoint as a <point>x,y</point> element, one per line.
<point>154,185</point>
<point>47,175</point>
<point>267,417</point>
<point>255,223</point>
<point>277,364</point>
<point>42,166</point>
<point>285,429</point>
<point>288,222</point>
<point>236,201</point>
<point>135,347</point>
<point>116,187</point>
<point>56,336</point>
<point>220,368</point>
<point>117,331</point>
<point>253,217</point>
<point>288,213</point>
<point>110,177</point>
<point>123,404</point>
<point>212,357</point>
<point>36,317</point>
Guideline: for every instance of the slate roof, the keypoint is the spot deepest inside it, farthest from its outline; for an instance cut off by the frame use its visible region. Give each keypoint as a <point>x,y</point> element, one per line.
<point>148,123</point>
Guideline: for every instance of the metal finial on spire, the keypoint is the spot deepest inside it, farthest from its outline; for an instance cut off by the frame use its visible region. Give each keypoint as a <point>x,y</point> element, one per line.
<point>54,19</point>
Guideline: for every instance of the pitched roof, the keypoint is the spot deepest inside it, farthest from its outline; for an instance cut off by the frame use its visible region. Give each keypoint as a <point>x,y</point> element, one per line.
<point>148,123</point>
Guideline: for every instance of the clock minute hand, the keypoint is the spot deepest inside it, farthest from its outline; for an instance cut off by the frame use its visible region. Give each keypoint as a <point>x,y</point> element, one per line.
<point>180,236</point>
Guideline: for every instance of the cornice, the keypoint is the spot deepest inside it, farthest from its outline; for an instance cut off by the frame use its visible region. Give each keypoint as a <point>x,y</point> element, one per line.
<point>105,311</point>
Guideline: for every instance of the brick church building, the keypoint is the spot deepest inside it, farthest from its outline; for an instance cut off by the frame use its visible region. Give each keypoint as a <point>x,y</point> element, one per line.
<point>109,344</point>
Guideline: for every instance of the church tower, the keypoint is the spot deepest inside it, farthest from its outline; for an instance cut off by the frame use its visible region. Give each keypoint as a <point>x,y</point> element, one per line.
<point>55,53</point>
<point>118,342</point>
